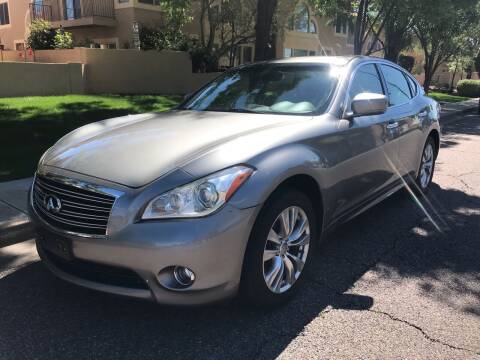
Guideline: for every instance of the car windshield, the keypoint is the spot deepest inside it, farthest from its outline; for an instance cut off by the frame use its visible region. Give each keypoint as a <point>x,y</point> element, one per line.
<point>299,89</point>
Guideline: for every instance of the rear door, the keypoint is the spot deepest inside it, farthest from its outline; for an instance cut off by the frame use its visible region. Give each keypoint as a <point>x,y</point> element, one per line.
<point>402,117</point>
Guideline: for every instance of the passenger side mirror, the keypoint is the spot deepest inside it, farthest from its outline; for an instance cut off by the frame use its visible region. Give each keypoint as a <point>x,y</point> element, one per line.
<point>367,104</point>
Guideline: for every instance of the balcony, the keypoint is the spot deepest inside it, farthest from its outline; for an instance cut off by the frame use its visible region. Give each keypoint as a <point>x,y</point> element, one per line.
<point>75,13</point>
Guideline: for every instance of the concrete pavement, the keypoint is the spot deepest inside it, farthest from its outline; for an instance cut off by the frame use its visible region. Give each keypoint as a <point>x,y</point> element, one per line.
<point>14,222</point>
<point>389,284</point>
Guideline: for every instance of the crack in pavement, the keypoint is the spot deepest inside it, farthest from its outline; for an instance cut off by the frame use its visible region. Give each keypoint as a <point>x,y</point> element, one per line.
<point>391,317</point>
<point>428,337</point>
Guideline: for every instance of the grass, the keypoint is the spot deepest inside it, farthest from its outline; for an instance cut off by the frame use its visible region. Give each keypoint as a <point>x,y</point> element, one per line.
<point>30,125</point>
<point>442,97</point>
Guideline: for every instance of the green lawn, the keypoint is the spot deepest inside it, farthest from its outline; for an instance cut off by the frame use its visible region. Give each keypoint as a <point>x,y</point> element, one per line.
<point>446,97</point>
<point>30,125</point>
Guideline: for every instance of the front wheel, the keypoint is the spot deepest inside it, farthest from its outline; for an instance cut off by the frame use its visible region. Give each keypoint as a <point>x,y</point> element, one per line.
<point>279,249</point>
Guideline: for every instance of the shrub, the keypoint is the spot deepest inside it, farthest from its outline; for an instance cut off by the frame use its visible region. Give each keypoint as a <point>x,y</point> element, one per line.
<point>469,88</point>
<point>42,36</point>
<point>63,39</point>
<point>407,62</point>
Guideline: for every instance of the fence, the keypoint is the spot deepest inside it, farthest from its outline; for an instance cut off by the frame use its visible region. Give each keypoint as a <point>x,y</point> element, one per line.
<point>106,71</point>
<point>23,79</point>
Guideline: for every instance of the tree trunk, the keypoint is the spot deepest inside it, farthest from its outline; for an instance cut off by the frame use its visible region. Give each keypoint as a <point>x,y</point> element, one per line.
<point>453,77</point>
<point>263,29</point>
<point>392,53</point>
<point>360,27</point>
<point>428,75</point>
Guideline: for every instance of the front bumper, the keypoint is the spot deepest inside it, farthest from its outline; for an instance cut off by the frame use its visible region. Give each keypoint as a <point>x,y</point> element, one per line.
<point>213,247</point>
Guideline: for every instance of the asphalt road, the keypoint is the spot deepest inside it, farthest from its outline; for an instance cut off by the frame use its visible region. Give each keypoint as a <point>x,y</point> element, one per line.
<point>400,281</point>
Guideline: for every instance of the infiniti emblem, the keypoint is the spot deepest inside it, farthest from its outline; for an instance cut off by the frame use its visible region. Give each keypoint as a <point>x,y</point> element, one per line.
<point>53,204</point>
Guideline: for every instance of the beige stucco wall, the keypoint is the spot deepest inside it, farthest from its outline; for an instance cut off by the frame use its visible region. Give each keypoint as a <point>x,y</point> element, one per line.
<point>22,79</point>
<point>19,22</point>
<point>104,71</point>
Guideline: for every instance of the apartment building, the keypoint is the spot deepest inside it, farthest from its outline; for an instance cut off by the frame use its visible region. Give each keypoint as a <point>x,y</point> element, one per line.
<point>95,23</point>
<point>115,24</point>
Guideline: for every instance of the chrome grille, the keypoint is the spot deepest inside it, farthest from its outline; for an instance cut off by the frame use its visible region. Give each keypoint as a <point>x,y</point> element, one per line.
<point>82,211</point>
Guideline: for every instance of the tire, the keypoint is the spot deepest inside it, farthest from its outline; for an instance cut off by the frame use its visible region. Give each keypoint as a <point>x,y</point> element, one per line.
<point>424,179</point>
<point>254,289</point>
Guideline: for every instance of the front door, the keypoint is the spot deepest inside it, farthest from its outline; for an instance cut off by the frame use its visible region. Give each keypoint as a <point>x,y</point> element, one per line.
<point>371,146</point>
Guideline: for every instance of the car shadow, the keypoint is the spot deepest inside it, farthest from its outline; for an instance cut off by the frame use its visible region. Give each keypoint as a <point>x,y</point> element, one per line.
<point>60,320</point>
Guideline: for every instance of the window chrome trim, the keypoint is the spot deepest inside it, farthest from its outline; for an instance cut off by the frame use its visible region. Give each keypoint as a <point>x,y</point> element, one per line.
<point>83,185</point>
<point>375,62</point>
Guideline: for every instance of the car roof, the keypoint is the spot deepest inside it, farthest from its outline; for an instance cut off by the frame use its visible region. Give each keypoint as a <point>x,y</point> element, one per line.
<point>333,60</point>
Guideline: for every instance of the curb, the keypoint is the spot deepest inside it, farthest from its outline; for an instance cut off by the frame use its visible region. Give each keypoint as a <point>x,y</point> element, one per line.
<point>15,229</point>
<point>18,232</point>
<point>451,116</point>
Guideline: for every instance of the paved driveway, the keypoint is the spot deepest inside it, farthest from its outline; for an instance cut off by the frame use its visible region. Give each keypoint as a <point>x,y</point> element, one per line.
<point>390,284</point>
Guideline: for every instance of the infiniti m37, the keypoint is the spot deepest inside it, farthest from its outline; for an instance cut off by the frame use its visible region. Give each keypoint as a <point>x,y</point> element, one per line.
<point>231,192</point>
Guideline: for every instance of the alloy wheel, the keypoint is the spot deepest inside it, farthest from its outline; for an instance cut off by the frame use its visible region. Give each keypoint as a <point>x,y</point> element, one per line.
<point>286,249</point>
<point>426,170</point>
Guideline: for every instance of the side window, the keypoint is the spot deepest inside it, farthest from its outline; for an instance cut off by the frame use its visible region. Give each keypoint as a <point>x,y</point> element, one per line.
<point>397,85</point>
<point>413,86</point>
<point>366,80</point>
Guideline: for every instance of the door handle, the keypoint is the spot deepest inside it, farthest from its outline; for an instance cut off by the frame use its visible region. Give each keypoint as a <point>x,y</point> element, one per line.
<point>423,114</point>
<point>392,125</point>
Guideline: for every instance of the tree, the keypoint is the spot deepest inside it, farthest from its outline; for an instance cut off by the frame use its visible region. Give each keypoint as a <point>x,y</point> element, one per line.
<point>459,63</point>
<point>398,29</point>
<point>440,26</point>
<point>264,38</point>
<point>367,16</point>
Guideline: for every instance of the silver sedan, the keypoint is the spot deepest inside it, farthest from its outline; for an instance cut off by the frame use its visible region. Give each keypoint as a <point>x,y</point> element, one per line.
<point>232,191</point>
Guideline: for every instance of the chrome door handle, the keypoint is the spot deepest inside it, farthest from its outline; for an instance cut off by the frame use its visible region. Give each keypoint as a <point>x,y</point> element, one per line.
<point>392,125</point>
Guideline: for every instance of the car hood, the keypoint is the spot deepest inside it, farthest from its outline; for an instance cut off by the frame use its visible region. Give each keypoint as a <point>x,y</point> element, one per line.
<point>135,150</point>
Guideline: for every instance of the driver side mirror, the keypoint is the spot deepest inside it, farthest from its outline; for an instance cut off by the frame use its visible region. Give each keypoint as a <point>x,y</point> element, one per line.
<point>368,104</point>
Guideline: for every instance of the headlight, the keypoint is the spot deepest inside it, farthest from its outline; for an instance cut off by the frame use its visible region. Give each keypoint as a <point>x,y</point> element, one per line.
<point>199,198</point>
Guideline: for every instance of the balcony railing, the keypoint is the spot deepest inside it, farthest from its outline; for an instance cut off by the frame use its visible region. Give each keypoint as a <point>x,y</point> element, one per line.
<point>65,10</point>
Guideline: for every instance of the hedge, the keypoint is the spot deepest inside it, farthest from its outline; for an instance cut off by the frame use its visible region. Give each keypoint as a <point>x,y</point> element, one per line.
<point>469,88</point>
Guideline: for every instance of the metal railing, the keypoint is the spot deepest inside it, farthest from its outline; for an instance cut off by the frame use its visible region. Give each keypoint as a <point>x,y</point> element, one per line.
<point>41,12</point>
<point>72,9</point>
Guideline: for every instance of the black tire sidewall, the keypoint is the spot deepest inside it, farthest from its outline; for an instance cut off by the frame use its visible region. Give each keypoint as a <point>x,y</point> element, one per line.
<point>430,141</point>
<point>253,286</point>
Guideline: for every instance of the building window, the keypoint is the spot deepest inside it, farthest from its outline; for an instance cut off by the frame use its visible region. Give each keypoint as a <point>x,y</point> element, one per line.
<point>287,52</point>
<point>301,21</point>
<point>4,17</point>
<point>123,1</point>
<point>341,25</point>
<point>150,2</point>
<point>20,46</point>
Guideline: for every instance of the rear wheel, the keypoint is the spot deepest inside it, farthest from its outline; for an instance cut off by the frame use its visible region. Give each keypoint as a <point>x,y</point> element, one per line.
<point>427,165</point>
<point>279,249</point>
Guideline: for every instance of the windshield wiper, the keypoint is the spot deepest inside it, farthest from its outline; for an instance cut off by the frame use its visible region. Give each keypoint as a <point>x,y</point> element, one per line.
<point>247,111</point>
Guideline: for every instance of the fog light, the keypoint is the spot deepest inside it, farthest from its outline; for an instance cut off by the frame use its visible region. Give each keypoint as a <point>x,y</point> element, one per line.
<point>184,276</point>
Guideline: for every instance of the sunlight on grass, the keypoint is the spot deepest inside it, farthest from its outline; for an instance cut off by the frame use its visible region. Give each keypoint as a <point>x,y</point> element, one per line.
<point>40,107</point>
<point>447,97</point>
<point>30,125</point>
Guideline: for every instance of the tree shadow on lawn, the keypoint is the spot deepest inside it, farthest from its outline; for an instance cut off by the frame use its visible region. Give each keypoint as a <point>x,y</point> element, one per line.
<point>22,142</point>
